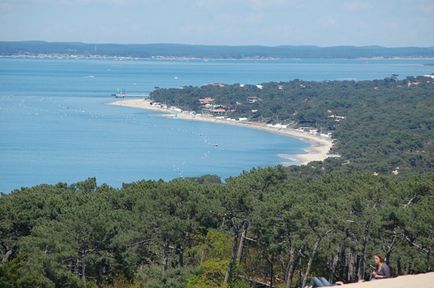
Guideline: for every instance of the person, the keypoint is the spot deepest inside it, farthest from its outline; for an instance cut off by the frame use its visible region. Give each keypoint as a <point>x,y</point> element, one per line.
<point>322,282</point>
<point>382,270</point>
<point>319,282</point>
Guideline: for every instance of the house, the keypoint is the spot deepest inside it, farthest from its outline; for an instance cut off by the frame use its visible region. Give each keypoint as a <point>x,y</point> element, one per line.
<point>304,129</point>
<point>175,109</point>
<point>415,83</point>
<point>206,101</point>
<point>280,126</point>
<point>215,85</point>
<point>218,111</point>
<point>328,135</point>
<point>337,118</point>
<point>252,99</point>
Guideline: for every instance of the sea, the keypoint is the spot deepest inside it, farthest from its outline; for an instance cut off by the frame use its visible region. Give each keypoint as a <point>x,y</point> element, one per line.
<point>56,124</point>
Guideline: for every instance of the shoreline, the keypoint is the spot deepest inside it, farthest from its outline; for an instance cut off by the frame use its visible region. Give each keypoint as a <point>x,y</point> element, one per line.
<point>317,151</point>
<point>187,58</point>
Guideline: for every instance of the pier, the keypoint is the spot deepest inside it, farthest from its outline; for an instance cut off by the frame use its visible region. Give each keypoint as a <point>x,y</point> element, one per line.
<point>123,94</point>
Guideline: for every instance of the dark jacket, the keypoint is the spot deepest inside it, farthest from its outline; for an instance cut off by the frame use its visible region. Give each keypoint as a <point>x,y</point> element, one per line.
<point>384,271</point>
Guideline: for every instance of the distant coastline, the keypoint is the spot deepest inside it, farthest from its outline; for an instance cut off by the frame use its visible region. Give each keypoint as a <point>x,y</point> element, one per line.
<point>165,51</point>
<point>319,145</point>
<point>153,58</point>
<point>184,58</point>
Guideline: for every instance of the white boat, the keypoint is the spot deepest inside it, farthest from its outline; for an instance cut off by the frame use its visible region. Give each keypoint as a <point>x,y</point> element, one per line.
<point>119,94</point>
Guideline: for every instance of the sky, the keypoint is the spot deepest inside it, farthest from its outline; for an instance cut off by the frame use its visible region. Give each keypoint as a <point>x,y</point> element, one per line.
<point>390,23</point>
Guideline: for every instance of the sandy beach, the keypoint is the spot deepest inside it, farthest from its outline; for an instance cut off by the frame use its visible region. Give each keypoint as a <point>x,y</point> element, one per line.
<point>318,150</point>
<point>425,280</point>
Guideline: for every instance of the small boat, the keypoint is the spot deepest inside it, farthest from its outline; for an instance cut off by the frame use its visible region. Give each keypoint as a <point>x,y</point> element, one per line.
<point>119,94</point>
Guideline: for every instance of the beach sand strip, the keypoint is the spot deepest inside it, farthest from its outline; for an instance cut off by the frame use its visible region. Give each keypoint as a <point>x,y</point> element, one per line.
<point>317,151</point>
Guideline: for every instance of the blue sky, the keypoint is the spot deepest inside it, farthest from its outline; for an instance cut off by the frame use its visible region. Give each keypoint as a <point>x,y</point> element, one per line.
<point>225,22</point>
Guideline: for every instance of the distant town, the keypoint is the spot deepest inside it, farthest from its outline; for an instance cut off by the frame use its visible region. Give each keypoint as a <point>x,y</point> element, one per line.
<point>42,49</point>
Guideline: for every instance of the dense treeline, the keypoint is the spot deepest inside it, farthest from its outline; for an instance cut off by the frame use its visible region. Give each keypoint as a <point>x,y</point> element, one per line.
<point>279,226</point>
<point>207,51</point>
<point>275,226</point>
<point>378,126</point>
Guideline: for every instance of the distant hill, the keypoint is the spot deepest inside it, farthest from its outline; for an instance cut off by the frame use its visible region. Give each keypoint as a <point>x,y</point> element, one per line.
<point>204,51</point>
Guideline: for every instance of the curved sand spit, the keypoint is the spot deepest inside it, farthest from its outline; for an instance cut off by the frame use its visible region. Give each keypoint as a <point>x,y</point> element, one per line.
<point>320,146</point>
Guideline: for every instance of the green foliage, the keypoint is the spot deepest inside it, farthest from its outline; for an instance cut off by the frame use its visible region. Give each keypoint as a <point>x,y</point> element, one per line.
<point>387,123</point>
<point>152,276</point>
<point>213,256</point>
<point>206,179</point>
<point>16,274</point>
<point>181,233</point>
<point>278,225</point>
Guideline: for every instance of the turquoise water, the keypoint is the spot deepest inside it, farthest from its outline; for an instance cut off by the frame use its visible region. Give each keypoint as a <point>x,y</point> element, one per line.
<point>56,127</point>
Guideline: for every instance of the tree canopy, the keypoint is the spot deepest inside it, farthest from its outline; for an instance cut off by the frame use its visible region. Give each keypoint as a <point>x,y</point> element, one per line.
<point>268,225</point>
<point>276,226</point>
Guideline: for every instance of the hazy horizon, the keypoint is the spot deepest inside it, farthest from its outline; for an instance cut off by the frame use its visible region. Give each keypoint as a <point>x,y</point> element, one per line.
<point>223,45</point>
<point>389,23</point>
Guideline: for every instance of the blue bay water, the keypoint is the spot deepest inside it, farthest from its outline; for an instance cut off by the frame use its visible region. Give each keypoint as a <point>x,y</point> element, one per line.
<point>55,125</point>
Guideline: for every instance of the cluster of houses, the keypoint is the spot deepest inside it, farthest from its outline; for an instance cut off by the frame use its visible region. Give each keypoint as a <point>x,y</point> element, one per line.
<point>221,85</point>
<point>413,83</point>
<point>206,101</point>
<point>420,80</point>
<point>208,105</point>
<point>337,118</point>
<point>278,126</point>
<point>394,172</point>
<point>164,106</point>
<point>314,131</point>
<point>219,111</point>
<point>252,99</point>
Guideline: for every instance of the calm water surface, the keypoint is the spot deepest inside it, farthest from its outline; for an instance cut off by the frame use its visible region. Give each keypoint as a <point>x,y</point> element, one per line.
<point>56,127</point>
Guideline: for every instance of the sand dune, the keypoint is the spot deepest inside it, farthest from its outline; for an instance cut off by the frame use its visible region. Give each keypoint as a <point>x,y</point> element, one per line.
<point>425,280</point>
